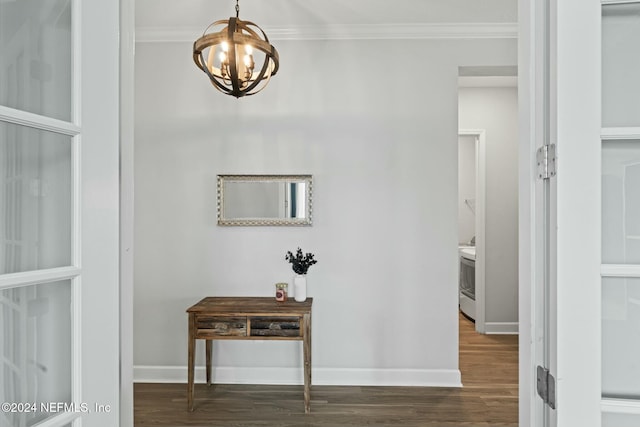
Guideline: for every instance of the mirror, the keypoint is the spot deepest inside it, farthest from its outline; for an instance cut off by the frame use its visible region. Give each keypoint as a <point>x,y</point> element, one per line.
<point>264,199</point>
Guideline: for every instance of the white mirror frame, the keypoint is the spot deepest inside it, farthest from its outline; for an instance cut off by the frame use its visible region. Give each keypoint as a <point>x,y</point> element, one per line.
<point>222,220</point>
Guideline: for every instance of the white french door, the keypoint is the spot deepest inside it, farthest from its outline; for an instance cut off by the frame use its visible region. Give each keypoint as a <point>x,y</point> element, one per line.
<point>620,213</point>
<point>582,87</point>
<point>59,343</point>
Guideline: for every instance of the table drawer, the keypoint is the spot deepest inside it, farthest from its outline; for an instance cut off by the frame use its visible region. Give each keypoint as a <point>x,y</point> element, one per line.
<point>216,326</point>
<point>275,326</point>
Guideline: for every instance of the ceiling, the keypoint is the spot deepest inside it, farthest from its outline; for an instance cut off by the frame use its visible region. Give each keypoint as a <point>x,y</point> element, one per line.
<point>283,14</point>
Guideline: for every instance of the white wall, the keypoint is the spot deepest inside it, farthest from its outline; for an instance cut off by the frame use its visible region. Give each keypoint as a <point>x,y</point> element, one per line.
<point>496,111</point>
<point>382,150</point>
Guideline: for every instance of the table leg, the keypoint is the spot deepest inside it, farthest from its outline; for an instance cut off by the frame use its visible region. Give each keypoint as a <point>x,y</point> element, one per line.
<point>208,351</point>
<point>306,349</point>
<point>191,360</point>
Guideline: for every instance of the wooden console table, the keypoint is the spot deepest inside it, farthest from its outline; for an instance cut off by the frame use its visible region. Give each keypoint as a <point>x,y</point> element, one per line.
<point>249,318</point>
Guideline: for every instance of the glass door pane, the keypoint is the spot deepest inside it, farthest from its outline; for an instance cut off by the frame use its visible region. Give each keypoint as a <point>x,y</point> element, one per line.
<point>621,65</point>
<point>621,202</point>
<point>621,338</point>
<point>35,351</point>
<point>620,420</point>
<point>35,199</point>
<point>35,64</point>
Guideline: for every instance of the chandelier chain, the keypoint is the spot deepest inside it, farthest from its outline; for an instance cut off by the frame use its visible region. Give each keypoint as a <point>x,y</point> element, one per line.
<point>237,10</point>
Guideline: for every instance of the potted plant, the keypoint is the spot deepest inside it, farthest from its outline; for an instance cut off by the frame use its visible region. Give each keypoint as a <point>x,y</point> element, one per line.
<point>300,263</point>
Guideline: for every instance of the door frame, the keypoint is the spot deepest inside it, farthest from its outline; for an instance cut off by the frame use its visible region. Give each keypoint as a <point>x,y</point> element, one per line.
<point>529,102</point>
<point>127,123</point>
<point>575,128</point>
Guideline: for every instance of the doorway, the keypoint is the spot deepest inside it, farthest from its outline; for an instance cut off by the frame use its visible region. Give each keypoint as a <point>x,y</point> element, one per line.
<point>488,111</point>
<point>488,120</point>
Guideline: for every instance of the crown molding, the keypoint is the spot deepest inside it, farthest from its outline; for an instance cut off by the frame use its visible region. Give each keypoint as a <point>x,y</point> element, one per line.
<point>349,32</point>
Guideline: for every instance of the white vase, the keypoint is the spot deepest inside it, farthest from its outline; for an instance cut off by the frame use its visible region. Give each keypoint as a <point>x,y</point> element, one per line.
<point>300,287</point>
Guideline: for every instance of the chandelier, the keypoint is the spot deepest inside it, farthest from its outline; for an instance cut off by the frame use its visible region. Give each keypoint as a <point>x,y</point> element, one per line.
<point>237,58</point>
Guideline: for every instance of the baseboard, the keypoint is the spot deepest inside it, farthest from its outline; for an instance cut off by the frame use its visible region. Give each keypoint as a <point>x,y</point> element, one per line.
<point>293,376</point>
<point>501,328</point>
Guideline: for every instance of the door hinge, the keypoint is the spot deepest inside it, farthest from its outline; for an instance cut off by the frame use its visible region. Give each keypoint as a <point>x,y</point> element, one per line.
<point>546,385</point>
<point>546,159</point>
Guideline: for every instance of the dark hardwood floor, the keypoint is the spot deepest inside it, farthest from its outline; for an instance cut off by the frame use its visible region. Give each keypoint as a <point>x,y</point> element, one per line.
<point>489,366</point>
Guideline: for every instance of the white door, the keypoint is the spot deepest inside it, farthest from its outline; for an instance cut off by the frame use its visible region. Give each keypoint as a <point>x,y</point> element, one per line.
<point>621,214</point>
<point>580,68</point>
<point>59,331</point>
